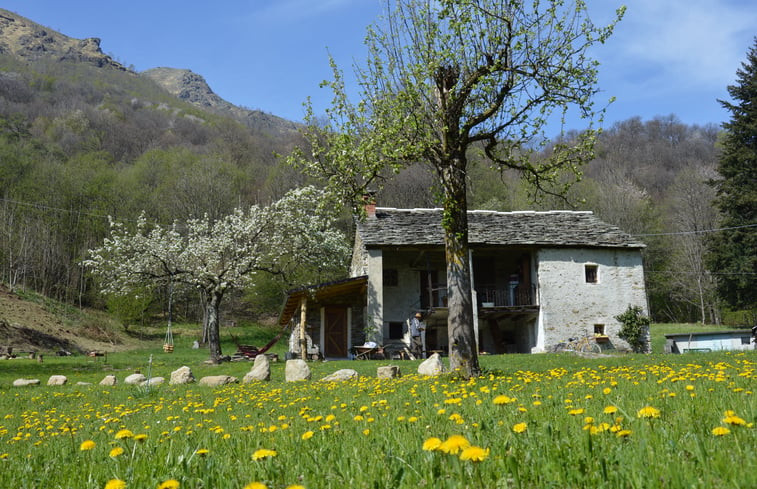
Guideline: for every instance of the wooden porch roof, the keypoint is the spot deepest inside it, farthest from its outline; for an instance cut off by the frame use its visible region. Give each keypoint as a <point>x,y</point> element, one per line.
<point>321,292</point>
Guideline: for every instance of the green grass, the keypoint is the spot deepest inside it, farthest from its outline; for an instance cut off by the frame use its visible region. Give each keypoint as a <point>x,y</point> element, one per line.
<point>370,433</point>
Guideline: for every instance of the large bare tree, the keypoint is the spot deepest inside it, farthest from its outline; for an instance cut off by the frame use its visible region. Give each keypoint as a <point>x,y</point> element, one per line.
<point>444,78</point>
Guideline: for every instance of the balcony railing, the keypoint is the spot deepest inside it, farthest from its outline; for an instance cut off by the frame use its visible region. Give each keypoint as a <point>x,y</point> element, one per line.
<point>520,295</point>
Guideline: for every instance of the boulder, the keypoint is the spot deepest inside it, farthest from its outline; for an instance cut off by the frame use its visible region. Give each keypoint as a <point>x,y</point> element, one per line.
<point>83,383</point>
<point>261,370</point>
<point>182,375</point>
<point>388,372</point>
<point>431,366</point>
<point>25,382</point>
<point>135,379</point>
<point>297,369</point>
<point>109,380</point>
<point>153,381</point>
<point>57,380</point>
<point>216,380</point>
<point>341,375</point>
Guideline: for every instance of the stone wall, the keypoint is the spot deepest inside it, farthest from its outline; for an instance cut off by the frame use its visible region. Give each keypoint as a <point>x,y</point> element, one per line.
<point>571,307</point>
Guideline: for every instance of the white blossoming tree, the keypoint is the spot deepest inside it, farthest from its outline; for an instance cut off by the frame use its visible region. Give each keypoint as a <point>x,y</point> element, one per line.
<point>294,234</point>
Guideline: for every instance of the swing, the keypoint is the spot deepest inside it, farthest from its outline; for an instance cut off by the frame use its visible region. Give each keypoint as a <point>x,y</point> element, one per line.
<point>168,342</point>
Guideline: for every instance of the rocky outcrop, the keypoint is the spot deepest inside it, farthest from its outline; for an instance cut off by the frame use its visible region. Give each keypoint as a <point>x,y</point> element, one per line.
<point>29,41</point>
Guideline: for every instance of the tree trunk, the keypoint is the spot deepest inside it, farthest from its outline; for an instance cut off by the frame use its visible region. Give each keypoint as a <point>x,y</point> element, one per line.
<point>463,351</point>
<point>214,336</point>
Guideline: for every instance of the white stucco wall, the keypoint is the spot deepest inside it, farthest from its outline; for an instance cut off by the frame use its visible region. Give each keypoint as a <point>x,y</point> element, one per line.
<point>570,307</point>
<point>374,304</point>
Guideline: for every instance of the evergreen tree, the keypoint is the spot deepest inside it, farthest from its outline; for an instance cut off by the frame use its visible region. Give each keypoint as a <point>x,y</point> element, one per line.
<point>734,250</point>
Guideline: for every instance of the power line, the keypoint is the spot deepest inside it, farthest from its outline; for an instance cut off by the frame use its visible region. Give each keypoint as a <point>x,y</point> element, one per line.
<point>703,231</point>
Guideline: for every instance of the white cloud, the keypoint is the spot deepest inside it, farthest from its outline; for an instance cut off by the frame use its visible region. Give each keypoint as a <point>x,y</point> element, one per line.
<point>683,43</point>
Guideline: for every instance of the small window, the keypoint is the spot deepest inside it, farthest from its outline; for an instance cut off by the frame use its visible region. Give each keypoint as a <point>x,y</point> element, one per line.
<point>396,330</point>
<point>745,340</point>
<point>599,329</point>
<point>591,274</point>
<point>390,277</point>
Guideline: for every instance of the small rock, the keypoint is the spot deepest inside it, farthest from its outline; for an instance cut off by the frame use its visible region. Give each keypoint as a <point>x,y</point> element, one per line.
<point>297,369</point>
<point>431,366</point>
<point>182,375</point>
<point>153,381</point>
<point>261,370</point>
<point>341,375</point>
<point>57,380</point>
<point>216,380</point>
<point>109,380</point>
<point>388,372</point>
<point>135,379</point>
<point>25,382</point>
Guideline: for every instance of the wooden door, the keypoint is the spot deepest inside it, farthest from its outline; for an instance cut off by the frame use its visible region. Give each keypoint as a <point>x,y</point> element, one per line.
<point>335,332</point>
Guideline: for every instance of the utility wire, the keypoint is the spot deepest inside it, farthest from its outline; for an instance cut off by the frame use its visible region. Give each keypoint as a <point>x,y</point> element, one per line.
<point>703,231</point>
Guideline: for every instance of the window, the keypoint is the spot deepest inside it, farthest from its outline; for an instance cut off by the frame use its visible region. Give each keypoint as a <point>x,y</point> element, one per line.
<point>592,275</point>
<point>391,278</point>
<point>599,329</point>
<point>396,330</point>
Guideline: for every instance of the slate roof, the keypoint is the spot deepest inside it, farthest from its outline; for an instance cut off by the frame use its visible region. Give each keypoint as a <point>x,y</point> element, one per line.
<point>422,227</point>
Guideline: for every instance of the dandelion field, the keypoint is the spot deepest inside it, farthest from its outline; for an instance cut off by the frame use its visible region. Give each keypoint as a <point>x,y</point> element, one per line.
<point>531,421</point>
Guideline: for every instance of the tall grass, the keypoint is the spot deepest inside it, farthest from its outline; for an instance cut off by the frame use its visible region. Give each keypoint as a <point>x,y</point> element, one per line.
<point>532,421</point>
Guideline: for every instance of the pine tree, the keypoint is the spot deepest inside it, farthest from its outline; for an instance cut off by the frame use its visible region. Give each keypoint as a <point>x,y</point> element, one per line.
<point>734,250</point>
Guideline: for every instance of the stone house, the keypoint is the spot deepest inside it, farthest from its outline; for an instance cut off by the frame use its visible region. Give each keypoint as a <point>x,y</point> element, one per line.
<point>539,278</point>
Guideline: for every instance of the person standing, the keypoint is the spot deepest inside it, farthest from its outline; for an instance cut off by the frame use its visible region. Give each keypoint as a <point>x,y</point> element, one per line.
<point>416,331</point>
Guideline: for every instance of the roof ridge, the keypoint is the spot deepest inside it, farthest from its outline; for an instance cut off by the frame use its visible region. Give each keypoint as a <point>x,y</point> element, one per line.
<point>484,211</point>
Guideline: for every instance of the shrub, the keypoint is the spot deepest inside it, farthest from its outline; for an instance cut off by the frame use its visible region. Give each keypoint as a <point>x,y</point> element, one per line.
<point>635,328</point>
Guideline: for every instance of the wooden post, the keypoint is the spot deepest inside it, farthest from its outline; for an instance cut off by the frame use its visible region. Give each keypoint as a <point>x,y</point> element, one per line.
<point>303,320</point>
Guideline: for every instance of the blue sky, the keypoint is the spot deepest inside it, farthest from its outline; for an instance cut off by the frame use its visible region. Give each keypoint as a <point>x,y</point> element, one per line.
<point>666,56</point>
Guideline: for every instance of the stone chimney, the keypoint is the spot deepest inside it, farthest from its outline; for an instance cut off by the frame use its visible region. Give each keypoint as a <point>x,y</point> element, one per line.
<point>369,204</point>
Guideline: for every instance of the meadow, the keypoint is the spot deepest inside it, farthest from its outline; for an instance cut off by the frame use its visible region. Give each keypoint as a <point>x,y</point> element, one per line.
<point>530,421</point>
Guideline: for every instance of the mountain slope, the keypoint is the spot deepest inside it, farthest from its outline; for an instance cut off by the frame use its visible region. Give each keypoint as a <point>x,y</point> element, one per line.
<point>30,41</point>
<point>193,88</point>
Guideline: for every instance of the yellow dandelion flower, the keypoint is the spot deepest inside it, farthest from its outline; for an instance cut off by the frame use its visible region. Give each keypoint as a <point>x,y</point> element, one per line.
<point>124,434</point>
<point>115,484</point>
<point>576,412</point>
<point>520,427</point>
<point>255,485</point>
<point>86,445</point>
<point>606,390</point>
<point>202,452</point>
<point>734,420</point>
<point>720,431</point>
<point>263,453</point>
<point>503,399</point>
<point>140,437</point>
<point>648,412</point>
<point>295,486</point>
<point>307,435</point>
<point>623,433</point>
<point>366,432</point>
<point>610,410</point>
<point>474,454</point>
<point>3,456</point>
<point>116,452</point>
<point>169,484</point>
<point>689,387</point>
<point>454,444</point>
<point>431,444</point>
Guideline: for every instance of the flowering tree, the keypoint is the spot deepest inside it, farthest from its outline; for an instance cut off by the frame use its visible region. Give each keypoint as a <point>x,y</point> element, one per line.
<point>285,238</point>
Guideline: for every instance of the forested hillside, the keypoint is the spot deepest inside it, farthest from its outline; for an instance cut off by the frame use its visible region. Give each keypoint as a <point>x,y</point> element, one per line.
<point>80,142</point>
